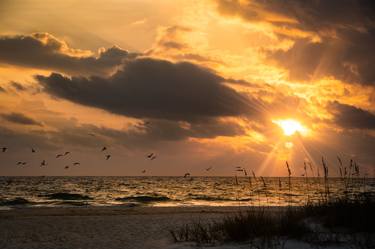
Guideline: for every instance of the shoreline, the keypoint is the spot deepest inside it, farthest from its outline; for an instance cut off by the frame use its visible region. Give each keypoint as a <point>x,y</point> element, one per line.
<point>126,210</point>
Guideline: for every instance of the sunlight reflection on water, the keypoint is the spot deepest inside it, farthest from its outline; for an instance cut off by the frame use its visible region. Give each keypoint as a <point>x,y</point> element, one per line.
<point>170,191</point>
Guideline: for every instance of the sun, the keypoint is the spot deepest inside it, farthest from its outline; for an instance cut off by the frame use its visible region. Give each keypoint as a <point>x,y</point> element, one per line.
<point>291,126</point>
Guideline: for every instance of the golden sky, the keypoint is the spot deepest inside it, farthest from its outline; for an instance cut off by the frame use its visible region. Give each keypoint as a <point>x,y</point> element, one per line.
<point>219,83</point>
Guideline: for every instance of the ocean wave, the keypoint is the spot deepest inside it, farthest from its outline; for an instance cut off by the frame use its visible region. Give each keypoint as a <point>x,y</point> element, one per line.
<point>216,198</point>
<point>209,198</point>
<point>144,198</point>
<point>14,201</point>
<point>72,203</point>
<point>66,196</point>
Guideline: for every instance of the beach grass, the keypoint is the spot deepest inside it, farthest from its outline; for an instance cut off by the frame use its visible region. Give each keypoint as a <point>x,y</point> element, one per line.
<point>346,219</point>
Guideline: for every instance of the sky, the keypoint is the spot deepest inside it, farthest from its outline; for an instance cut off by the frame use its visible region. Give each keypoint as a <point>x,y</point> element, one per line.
<point>206,83</point>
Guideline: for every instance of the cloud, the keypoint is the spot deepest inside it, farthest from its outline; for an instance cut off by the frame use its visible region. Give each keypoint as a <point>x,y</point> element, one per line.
<point>331,38</point>
<point>352,117</point>
<point>346,58</point>
<point>320,17</point>
<point>150,88</point>
<point>20,118</point>
<point>17,86</point>
<point>44,51</point>
<point>172,42</point>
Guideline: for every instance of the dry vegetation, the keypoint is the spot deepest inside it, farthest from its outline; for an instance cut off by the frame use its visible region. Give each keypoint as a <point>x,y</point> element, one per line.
<point>349,219</point>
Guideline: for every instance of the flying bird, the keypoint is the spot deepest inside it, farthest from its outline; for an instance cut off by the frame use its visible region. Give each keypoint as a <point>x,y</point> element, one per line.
<point>186,175</point>
<point>43,163</point>
<point>66,167</point>
<point>209,168</point>
<point>107,157</point>
<point>150,155</point>
<point>66,153</point>
<point>21,163</point>
<point>33,150</point>
<point>4,149</point>
<point>59,155</point>
<point>143,171</point>
<point>153,158</point>
<point>76,163</point>
<point>104,148</point>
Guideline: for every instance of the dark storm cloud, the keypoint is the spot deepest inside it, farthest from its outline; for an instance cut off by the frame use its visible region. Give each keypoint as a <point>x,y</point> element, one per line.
<point>150,88</point>
<point>347,58</point>
<point>44,51</point>
<point>311,15</point>
<point>352,117</point>
<point>162,131</point>
<point>138,137</point>
<point>20,118</point>
<point>17,141</point>
<point>346,29</point>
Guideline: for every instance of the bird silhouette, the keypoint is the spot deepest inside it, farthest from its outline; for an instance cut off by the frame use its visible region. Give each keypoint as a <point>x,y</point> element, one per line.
<point>107,157</point>
<point>4,149</point>
<point>59,155</point>
<point>66,167</point>
<point>33,150</point>
<point>209,168</point>
<point>66,153</point>
<point>43,163</point>
<point>143,171</point>
<point>21,163</point>
<point>153,158</point>
<point>76,163</point>
<point>150,155</point>
<point>104,148</point>
<point>186,175</point>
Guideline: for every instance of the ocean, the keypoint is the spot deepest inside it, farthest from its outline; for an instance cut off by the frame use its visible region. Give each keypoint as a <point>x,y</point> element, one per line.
<point>49,191</point>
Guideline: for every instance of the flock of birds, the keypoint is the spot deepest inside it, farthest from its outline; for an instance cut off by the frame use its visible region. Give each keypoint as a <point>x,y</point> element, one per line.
<point>151,156</point>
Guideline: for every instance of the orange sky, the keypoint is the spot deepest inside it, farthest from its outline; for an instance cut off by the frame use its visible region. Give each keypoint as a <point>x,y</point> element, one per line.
<point>199,83</point>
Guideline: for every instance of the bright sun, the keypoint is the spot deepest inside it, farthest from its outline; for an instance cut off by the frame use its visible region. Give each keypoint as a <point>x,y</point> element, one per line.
<point>291,126</point>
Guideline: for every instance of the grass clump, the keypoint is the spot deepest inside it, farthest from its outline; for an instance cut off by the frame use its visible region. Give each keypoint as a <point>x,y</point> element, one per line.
<point>251,225</point>
<point>334,221</point>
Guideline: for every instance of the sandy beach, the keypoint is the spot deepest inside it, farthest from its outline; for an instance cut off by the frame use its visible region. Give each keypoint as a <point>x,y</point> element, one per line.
<point>109,227</point>
<point>99,227</point>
